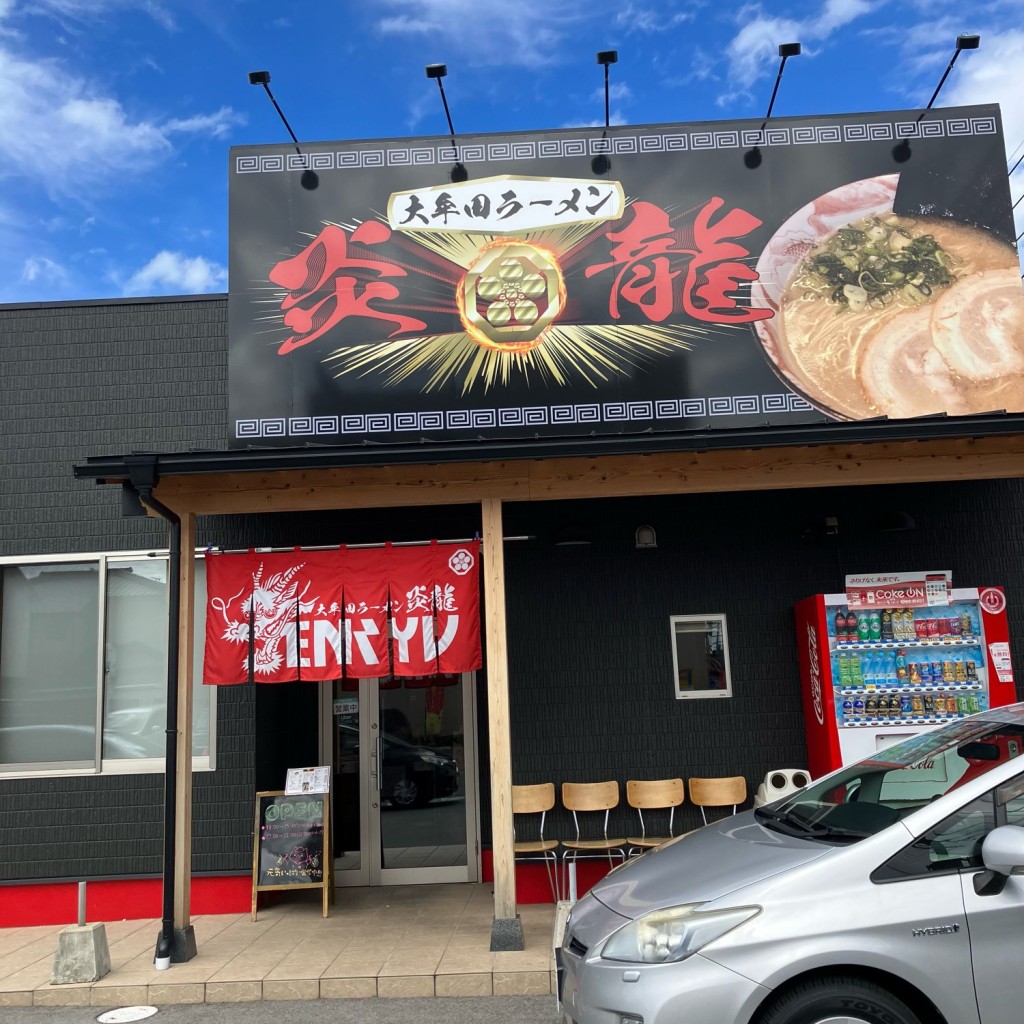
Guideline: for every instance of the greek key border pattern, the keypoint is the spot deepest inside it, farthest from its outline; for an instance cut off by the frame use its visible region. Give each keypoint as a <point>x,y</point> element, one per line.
<point>620,413</point>
<point>640,142</point>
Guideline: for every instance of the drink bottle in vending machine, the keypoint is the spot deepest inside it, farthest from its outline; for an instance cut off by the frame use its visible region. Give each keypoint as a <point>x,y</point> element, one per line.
<point>872,676</point>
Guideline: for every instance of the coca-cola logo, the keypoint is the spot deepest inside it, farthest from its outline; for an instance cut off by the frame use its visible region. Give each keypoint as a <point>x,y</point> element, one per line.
<point>815,670</point>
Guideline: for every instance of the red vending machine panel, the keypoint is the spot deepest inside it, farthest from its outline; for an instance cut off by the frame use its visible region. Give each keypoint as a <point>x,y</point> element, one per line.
<point>873,676</point>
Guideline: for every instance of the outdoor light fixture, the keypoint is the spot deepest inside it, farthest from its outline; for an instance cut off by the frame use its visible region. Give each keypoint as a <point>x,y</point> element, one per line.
<point>786,50</point>
<point>963,42</point>
<point>901,151</point>
<point>309,179</point>
<point>646,537</point>
<point>607,58</point>
<point>263,78</point>
<point>601,164</point>
<point>752,158</point>
<point>437,72</point>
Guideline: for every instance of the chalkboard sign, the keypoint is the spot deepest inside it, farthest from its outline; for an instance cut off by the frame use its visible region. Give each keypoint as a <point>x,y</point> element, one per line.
<point>291,847</point>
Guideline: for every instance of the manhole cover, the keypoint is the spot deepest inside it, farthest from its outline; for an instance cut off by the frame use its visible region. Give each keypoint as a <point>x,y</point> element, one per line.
<point>126,1013</point>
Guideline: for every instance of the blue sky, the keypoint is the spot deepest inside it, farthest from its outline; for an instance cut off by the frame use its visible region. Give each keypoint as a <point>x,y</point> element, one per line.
<point>116,115</point>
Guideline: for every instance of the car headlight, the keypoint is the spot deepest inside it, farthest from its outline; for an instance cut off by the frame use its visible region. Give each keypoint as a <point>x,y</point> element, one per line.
<point>672,934</point>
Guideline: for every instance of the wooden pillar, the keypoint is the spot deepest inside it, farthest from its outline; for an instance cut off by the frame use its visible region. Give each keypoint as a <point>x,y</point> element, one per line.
<point>506,932</point>
<point>183,804</point>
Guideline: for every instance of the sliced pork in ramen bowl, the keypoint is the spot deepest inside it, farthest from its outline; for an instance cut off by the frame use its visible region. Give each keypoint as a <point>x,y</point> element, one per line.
<point>961,354</point>
<point>881,314</point>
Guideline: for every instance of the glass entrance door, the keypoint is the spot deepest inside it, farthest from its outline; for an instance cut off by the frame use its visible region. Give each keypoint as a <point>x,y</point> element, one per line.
<point>404,789</point>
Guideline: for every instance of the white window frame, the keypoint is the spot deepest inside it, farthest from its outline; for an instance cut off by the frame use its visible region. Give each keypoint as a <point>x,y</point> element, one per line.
<point>101,765</point>
<point>676,621</point>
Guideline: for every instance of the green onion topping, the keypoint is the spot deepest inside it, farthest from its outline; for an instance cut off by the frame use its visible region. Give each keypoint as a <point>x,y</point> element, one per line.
<point>877,261</point>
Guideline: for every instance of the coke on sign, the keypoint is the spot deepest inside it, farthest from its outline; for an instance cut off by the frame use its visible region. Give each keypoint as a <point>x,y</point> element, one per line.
<point>899,589</point>
<point>815,672</point>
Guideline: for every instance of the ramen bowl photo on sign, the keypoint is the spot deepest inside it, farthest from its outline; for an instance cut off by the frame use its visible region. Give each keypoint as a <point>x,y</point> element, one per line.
<point>879,314</point>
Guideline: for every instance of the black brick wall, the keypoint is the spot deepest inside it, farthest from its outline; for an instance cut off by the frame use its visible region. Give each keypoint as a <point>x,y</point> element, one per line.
<point>589,643</point>
<point>91,379</point>
<point>590,657</point>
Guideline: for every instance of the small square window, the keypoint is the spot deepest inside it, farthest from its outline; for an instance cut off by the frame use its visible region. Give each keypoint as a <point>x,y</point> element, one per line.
<point>700,656</point>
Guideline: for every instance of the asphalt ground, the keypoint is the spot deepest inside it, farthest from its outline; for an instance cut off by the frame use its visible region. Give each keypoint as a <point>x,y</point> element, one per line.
<point>463,1010</point>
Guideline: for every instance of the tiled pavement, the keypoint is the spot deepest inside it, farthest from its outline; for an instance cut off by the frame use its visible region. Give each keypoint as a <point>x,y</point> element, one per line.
<point>424,940</point>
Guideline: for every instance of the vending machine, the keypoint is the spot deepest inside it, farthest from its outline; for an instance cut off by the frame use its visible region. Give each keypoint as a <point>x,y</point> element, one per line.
<point>873,675</point>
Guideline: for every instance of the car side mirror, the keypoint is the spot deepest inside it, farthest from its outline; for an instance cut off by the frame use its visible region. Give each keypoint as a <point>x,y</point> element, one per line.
<point>1002,853</point>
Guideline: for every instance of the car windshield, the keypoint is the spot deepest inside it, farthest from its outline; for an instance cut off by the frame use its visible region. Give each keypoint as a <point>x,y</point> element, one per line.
<point>866,797</point>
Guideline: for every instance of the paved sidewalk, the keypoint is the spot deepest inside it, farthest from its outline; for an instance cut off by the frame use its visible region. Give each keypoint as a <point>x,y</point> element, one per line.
<point>424,940</point>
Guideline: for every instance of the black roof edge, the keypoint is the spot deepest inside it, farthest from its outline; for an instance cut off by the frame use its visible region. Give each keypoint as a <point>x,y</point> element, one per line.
<point>129,300</point>
<point>113,468</point>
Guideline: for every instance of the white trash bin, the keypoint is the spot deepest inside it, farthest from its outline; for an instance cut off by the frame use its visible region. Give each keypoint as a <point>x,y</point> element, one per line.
<point>779,783</point>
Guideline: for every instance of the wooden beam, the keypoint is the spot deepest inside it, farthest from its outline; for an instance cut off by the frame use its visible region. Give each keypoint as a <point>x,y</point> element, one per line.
<point>378,487</point>
<point>498,728</point>
<point>779,468</point>
<point>606,476</point>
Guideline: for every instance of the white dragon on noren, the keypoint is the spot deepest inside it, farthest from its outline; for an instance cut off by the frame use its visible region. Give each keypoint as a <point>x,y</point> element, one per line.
<point>272,603</point>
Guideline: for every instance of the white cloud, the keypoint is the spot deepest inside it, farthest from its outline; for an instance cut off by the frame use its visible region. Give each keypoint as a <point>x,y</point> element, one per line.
<point>421,104</point>
<point>42,270</point>
<point>57,132</point>
<point>526,34</point>
<point>615,117</point>
<point>753,53</point>
<point>838,13</point>
<point>217,125</point>
<point>85,10</point>
<point>616,91</point>
<point>174,273</point>
<point>52,130</point>
<point>636,18</point>
<point>755,48</point>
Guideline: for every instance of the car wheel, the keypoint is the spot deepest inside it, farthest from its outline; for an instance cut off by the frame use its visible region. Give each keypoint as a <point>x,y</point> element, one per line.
<point>405,793</point>
<point>838,1000</point>
<point>410,792</point>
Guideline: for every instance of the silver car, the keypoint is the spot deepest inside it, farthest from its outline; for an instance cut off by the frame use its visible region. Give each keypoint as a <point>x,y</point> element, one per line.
<point>889,892</point>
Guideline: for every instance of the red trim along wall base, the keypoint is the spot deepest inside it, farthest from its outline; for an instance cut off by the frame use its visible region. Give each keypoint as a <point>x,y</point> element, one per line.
<point>28,904</point>
<point>532,885</point>
<point>46,903</point>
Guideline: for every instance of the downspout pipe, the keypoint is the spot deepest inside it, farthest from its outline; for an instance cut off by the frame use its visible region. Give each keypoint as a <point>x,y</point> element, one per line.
<point>143,482</point>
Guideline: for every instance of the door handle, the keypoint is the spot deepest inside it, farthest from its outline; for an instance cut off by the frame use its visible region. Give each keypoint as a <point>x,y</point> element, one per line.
<point>375,763</point>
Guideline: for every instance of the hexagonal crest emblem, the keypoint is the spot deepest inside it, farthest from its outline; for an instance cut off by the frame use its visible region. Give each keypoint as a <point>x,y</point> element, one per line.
<point>511,293</point>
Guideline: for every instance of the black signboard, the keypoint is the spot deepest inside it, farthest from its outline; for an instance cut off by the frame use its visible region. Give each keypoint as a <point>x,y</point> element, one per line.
<point>623,281</point>
<point>291,844</point>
